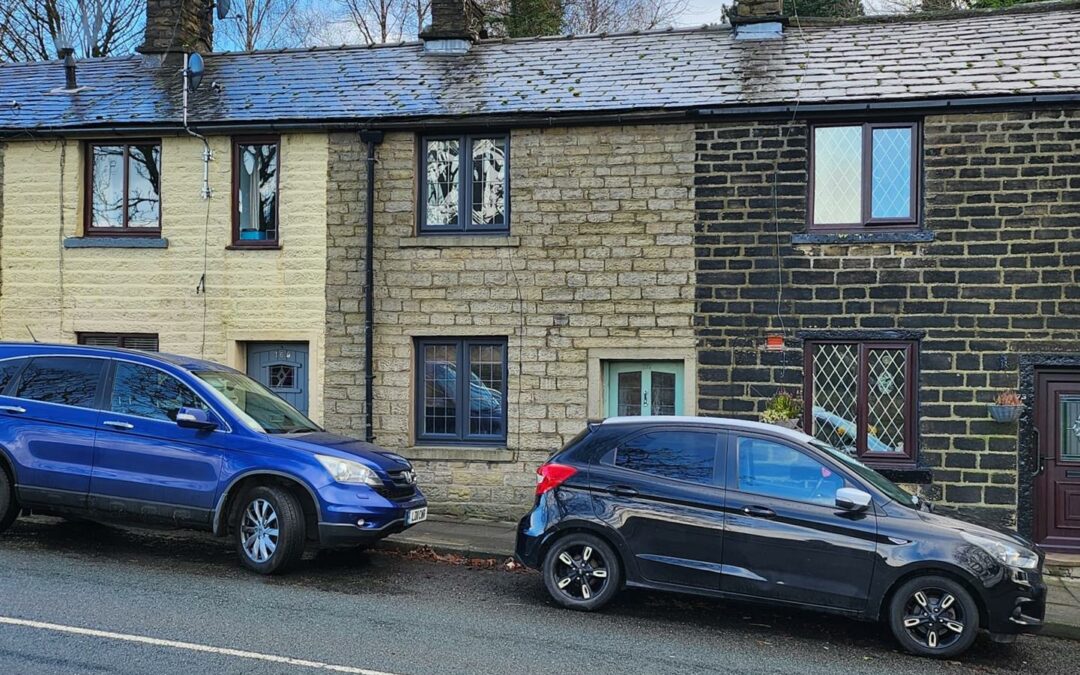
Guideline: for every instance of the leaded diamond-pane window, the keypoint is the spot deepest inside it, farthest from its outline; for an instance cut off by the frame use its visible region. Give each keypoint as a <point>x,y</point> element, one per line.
<point>864,175</point>
<point>461,390</point>
<point>282,376</point>
<point>837,175</point>
<point>891,174</point>
<point>860,397</point>
<point>464,184</point>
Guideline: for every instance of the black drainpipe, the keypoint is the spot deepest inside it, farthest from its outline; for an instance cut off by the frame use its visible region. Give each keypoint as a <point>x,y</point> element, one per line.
<point>372,138</point>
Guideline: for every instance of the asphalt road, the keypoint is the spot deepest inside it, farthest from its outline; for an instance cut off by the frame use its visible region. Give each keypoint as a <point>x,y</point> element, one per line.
<point>85,598</point>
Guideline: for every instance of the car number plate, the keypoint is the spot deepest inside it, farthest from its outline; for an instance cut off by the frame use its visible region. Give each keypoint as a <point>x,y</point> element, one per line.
<point>414,516</point>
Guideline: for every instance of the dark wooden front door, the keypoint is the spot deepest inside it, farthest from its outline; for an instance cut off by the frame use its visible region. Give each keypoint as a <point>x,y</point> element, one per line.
<point>1057,484</point>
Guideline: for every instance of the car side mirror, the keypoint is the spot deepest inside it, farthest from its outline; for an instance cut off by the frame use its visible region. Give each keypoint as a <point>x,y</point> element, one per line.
<point>194,418</point>
<point>852,499</point>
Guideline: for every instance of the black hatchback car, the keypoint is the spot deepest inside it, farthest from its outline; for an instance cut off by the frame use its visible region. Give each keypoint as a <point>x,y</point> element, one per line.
<point>750,511</point>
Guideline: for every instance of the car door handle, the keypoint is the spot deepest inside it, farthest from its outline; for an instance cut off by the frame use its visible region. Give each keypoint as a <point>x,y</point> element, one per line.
<point>759,512</point>
<point>13,409</point>
<point>118,425</point>
<point>622,491</point>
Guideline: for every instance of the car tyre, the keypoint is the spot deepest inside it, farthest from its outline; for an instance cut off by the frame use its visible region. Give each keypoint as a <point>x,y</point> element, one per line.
<point>581,571</point>
<point>270,530</point>
<point>934,616</point>
<point>9,508</point>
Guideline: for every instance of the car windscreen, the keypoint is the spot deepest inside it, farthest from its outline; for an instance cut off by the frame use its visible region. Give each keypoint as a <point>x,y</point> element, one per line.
<point>255,404</point>
<point>882,483</point>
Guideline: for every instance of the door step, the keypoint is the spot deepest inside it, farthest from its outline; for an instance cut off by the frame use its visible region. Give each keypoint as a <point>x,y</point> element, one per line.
<point>1062,565</point>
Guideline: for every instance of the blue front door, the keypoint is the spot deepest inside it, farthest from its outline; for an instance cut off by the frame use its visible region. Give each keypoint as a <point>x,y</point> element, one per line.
<point>282,367</point>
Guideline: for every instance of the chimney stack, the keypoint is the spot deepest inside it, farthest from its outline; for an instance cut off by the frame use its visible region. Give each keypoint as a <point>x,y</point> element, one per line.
<point>455,25</point>
<point>758,9</point>
<point>178,26</point>
<point>758,19</point>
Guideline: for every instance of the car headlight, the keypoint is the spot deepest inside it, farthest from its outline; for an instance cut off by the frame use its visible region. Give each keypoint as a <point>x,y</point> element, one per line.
<point>1005,553</point>
<point>346,471</point>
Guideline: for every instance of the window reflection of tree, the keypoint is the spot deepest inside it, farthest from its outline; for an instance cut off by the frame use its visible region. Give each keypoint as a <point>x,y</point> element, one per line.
<point>67,381</point>
<point>148,392</point>
<point>683,456</point>
<point>141,206</point>
<point>258,189</point>
<point>108,187</point>
<point>144,185</point>
<point>488,181</point>
<point>443,163</point>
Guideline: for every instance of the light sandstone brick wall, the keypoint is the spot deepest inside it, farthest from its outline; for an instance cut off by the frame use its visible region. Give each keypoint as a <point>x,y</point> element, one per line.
<point>54,292</point>
<point>600,258</point>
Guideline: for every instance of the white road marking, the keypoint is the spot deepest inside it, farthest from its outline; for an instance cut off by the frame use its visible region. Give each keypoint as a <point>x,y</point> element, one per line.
<point>224,651</point>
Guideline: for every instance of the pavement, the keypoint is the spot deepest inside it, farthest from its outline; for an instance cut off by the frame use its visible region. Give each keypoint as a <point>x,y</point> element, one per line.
<point>486,539</point>
<point>85,598</point>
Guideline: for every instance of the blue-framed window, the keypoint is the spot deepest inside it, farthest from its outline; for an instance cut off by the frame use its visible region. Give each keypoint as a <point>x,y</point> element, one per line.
<point>461,390</point>
<point>464,184</point>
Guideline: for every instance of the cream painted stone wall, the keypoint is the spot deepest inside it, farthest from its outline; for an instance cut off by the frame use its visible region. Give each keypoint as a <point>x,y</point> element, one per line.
<point>54,293</point>
<point>599,263</point>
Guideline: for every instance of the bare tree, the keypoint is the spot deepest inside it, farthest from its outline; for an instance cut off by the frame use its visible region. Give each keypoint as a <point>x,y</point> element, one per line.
<point>600,16</point>
<point>271,24</point>
<point>380,21</point>
<point>30,30</point>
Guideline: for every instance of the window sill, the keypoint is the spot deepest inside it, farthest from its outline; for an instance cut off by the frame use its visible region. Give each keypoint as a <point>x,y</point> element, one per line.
<point>253,247</point>
<point>116,242</point>
<point>860,237</point>
<point>459,240</point>
<point>909,475</point>
<point>459,454</point>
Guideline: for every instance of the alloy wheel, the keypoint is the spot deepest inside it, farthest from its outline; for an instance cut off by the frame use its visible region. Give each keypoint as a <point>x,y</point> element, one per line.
<point>259,530</point>
<point>580,572</point>
<point>933,617</point>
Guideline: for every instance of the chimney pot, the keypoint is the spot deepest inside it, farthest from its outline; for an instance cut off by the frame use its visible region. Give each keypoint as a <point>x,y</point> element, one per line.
<point>67,56</point>
<point>178,26</point>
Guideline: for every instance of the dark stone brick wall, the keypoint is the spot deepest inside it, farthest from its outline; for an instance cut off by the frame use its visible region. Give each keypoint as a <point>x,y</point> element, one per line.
<point>1000,278</point>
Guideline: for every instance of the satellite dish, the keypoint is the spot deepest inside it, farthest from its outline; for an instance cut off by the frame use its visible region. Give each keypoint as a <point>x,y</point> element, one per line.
<point>223,7</point>
<point>195,69</point>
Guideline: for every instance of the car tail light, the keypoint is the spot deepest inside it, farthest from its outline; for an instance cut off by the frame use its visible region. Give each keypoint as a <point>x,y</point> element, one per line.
<point>551,476</point>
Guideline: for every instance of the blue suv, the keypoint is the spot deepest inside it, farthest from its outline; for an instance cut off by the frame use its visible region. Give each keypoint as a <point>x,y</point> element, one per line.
<point>115,434</point>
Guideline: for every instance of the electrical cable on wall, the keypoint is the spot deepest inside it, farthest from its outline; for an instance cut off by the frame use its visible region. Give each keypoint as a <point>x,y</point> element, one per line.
<point>784,134</point>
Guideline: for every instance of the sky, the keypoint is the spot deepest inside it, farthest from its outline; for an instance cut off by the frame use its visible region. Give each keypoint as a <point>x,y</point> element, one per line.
<point>703,11</point>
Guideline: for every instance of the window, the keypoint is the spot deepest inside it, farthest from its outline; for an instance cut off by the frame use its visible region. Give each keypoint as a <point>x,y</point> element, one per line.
<point>463,184</point>
<point>773,469</point>
<point>864,175</point>
<point>682,455</point>
<point>147,342</point>
<point>8,371</point>
<point>256,405</point>
<point>860,398</point>
<point>255,192</point>
<point>470,407</point>
<point>148,392</point>
<point>643,388</point>
<point>66,380</point>
<point>124,188</point>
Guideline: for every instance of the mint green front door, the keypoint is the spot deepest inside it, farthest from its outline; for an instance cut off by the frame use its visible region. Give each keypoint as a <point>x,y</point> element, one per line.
<point>643,388</point>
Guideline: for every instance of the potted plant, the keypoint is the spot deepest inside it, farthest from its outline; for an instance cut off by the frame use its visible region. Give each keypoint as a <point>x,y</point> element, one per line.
<point>784,410</point>
<point>1006,407</point>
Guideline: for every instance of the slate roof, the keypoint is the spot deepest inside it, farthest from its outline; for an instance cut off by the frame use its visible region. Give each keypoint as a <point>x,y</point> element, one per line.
<point>1013,53</point>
